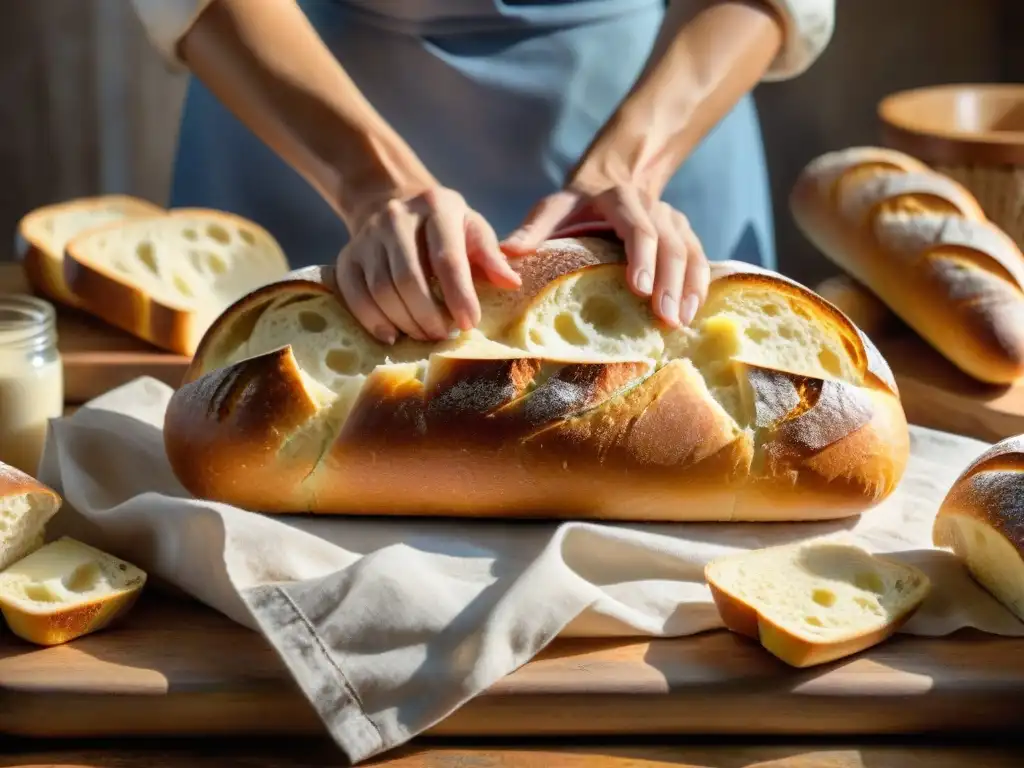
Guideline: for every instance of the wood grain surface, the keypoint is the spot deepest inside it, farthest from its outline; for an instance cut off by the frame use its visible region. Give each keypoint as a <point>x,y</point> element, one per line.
<point>174,667</point>
<point>98,357</point>
<point>319,754</point>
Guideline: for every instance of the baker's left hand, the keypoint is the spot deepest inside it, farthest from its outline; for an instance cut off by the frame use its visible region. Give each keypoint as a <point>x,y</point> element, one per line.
<point>666,262</point>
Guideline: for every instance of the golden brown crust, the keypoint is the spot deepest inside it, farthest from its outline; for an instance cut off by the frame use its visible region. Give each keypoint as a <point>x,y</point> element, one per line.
<point>921,243</point>
<point>62,626</point>
<point>523,435</point>
<point>14,482</point>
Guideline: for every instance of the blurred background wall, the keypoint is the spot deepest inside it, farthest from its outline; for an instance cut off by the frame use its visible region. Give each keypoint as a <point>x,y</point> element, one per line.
<point>86,106</point>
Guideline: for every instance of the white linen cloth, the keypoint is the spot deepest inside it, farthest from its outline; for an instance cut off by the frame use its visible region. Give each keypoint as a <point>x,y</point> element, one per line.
<point>388,625</point>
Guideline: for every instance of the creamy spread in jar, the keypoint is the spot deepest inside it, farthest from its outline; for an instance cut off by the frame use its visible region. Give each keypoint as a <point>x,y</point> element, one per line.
<point>31,379</point>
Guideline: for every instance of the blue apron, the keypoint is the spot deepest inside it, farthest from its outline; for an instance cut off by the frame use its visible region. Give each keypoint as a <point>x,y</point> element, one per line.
<point>499,98</point>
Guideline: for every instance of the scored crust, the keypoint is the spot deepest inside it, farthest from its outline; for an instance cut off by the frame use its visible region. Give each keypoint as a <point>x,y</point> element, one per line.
<point>488,429</point>
<point>920,242</point>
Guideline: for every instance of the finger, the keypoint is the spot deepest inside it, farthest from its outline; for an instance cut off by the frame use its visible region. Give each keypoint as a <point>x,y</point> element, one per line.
<point>698,272</point>
<point>482,249</point>
<point>377,269</point>
<point>353,288</point>
<point>627,214</point>
<point>670,273</point>
<point>407,274</point>
<point>446,246</point>
<point>541,222</point>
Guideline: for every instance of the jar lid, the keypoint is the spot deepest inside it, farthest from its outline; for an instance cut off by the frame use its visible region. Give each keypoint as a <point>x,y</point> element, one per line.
<point>25,320</point>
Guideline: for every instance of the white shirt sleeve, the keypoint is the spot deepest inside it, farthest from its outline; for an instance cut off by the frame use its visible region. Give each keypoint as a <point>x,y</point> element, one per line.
<point>807,29</point>
<point>167,21</point>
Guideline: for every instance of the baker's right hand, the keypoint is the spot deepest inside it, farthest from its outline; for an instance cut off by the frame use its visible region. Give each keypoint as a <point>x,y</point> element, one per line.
<point>384,271</point>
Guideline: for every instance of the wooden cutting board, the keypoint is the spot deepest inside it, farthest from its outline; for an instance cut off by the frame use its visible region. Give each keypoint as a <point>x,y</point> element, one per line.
<point>98,357</point>
<point>176,668</point>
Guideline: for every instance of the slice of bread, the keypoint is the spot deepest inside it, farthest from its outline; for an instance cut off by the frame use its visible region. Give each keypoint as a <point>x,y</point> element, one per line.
<point>44,233</point>
<point>26,505</point>
<point>166,278</point>
<point>816,601</point>
<point>66,589</point>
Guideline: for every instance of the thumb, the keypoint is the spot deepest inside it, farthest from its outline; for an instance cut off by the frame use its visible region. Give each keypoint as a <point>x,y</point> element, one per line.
<point>544,219</point>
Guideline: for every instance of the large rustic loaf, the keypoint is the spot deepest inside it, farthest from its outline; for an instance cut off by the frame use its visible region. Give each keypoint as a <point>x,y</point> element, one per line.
<point>982,521</point>
<point>922,244</point>
<point>44,233</point>
<point>166,278</point>
<point>569,399</point>
<point>815,601</point>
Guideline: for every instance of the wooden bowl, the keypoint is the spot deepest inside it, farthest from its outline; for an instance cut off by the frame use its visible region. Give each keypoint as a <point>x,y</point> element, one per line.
<point>957,124</point>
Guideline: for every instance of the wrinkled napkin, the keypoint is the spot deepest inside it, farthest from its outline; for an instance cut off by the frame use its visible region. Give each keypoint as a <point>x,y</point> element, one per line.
<point>388,625</point>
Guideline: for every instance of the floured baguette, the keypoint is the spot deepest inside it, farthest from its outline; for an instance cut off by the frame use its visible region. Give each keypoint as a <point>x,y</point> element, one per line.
<point>816,601</point>
<point>44,233</point>
<point>26,505</point>
<point>166,278</point>
<point>569,400</point>
<point>66,589</point>
<point>982,521</point>
<point>921,243</point>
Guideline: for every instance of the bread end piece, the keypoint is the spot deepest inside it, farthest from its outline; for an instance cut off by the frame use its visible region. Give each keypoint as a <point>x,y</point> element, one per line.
<point>26,505</point>
<point>817,601</point>
<point>982,521</point>
<point>65,590</point>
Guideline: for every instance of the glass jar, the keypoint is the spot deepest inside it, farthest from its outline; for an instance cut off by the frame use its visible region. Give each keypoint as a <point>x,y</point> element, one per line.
<point>31,379</point>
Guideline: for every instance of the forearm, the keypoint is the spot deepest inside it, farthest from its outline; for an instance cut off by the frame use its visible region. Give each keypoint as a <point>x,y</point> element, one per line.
<point>266,63</point>
<point>703,62</point>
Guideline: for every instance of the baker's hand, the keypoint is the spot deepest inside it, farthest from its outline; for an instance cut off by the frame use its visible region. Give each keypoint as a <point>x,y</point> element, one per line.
<point>384,270</point>
<point>665,259</point>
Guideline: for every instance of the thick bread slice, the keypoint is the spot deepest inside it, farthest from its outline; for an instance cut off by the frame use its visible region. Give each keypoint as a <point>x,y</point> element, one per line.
<point>166,278</point>
<point>65,590</point>
<point>44,233</point>
<point>920,242</point>
<point>26,505</point>
<point>982,521</point>
<point>816,601</point>
<point>570,399</point>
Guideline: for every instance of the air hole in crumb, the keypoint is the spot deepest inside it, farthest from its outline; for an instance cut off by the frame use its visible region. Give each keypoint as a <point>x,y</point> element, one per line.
<point>825,597</point>
<point>312,322</point>
<point>183,287</point>
<point>84,578</point>
<point>247,237</point>
<point>867,604</point>
<point>41,593</point>
<point>566,327</point>
<point>756,335</point>
<point>535,337</point>
<point>218,233</point>
<point>830,362</point>
<point>771,310</point>
<point>869,582</point>
<point>343,361</point>
<point>601,313</point>
<point>216,264</point>
<point>814,621</point>
<point>190,234</point>
<point>147,255</point>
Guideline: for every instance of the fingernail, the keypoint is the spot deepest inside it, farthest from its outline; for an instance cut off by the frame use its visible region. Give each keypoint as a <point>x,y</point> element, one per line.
<point>669,308</point>
<point>515,238</point>
<point>689,309</point>
<point>644,282</point>
<point>385,335</point>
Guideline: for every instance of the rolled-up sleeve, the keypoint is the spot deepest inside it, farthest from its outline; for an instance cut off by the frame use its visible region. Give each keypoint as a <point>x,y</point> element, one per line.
<point>167,21</point>
<point>808,26</point>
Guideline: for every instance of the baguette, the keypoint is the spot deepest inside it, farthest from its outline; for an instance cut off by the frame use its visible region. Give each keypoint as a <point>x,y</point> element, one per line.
<point>65,590</point>
<point>982,521</point>
<point>166,278</point>
<point>856,302</point>
<point>44,233</point>
<point>920,242</point>
<point>26,505</point>
<point>568,400</point>
<point>816,601</point>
